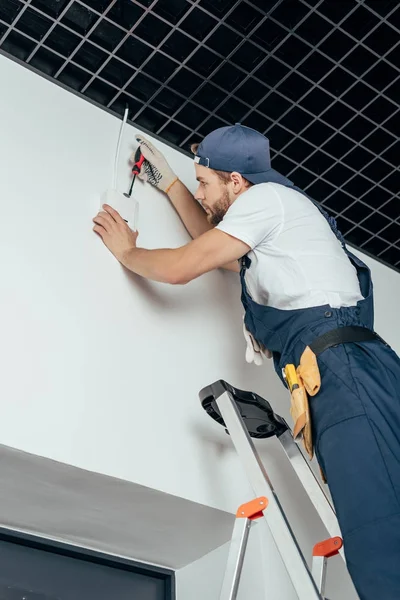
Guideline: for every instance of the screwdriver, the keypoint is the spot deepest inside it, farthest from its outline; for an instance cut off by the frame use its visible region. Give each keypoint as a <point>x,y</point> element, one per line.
<point>291,377</point>
<point>139,159</point>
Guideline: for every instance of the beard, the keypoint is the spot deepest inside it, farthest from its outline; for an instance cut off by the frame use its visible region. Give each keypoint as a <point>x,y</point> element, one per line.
<point>219,209</point>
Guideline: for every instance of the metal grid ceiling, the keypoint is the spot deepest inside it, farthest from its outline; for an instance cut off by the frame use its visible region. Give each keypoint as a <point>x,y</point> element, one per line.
<point>319,77</point>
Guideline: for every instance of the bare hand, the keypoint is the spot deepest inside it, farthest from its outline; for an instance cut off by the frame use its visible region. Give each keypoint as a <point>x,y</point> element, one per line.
<point>115,232</point>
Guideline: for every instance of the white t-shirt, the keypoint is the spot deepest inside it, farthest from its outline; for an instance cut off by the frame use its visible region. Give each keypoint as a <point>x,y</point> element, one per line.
<point>296,259</point>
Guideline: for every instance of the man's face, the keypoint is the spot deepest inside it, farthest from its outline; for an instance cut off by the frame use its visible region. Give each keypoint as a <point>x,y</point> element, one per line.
<point>213,194</point>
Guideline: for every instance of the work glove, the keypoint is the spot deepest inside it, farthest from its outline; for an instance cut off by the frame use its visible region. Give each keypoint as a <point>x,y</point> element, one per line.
<point>155,168</point>
<point>255,352</point>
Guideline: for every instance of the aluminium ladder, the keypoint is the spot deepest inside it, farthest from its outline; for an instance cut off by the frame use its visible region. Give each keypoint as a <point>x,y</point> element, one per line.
<point>246,415</point>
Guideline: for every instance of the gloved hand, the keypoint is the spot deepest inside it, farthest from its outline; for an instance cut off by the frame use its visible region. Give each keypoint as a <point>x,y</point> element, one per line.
<point>254,351</point>
<point>155,168</point>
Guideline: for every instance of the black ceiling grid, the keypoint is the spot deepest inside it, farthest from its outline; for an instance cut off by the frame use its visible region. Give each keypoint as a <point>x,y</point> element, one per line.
<point>321,78</point>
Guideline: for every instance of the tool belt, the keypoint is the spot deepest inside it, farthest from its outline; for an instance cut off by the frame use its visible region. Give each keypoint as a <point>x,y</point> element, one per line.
<point>305,380</point>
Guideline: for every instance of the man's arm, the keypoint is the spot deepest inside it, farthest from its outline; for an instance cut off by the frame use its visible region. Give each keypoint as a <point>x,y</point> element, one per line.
<point>157,171</point>
<point>179,266</point>
<point>191,213</point>
<point>209,251</point>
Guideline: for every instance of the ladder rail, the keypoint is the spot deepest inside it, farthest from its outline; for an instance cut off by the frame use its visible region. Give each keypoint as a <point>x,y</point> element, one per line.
<point>279,526</point>
<point>319,565</point>
<point>311,485</point>
<point>237,549</point>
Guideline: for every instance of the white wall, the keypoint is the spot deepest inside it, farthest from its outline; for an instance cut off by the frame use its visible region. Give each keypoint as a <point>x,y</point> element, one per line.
<point>101,369</point>
<point>104,367</point>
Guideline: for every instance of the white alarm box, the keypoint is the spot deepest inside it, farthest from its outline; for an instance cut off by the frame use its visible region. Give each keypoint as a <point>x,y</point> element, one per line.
<point>127,207</point>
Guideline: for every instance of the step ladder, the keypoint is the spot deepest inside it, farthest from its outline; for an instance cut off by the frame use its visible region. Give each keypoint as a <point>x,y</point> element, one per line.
<point>246,415</point>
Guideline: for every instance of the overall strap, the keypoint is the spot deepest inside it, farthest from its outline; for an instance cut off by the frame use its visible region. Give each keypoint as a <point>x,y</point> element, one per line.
<point>276,177</point>
<point>363,270</point>
<point>244,263</point>
<point>364,275</point>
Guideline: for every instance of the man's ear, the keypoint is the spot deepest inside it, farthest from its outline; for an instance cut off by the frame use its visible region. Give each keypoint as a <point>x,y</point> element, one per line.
<point>238,182</point>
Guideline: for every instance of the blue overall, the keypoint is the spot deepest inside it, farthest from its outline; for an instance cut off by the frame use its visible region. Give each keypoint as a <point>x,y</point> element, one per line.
<point>355,424</point>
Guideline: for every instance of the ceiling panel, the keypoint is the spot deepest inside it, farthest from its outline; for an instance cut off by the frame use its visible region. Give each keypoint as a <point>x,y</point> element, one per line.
<point>321,78</point>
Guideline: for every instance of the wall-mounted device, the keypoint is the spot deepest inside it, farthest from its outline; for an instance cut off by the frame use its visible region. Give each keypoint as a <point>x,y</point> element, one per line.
<point>124,203</point>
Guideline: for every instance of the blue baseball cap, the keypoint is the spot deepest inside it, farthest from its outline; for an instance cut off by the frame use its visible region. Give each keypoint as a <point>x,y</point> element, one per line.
<point>241,149</point>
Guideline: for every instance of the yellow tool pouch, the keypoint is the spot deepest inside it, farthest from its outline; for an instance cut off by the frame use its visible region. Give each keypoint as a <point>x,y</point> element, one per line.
<point>304,380</point>
<point>309,372</point>
<point>299,410</point>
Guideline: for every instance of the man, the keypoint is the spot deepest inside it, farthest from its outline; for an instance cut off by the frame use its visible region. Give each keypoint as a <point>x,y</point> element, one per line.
<point>306,298</point>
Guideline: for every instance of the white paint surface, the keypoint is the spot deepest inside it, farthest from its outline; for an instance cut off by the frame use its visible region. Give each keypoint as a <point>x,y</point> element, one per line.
<point>101,369</point>
<point>104,366</point>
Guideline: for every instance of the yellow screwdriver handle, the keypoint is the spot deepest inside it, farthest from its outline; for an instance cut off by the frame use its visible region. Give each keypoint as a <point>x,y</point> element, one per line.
<point>291,377</point>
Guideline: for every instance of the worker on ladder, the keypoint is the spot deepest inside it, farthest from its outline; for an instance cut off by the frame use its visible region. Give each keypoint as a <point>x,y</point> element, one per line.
<point>309,304</point>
